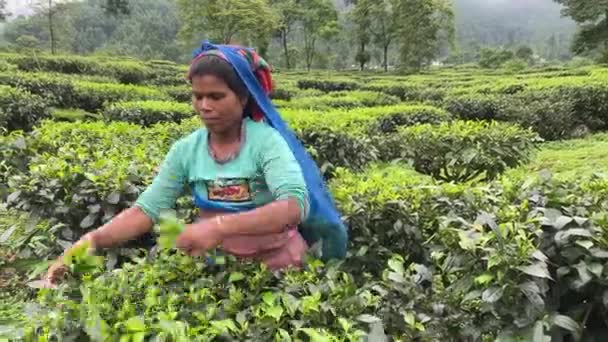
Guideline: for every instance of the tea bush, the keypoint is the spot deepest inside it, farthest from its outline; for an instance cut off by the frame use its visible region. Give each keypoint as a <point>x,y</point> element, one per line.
<point>454,236</point>
<point>147,113</point>
<point>58,91</point>
<point>463,150</point>
<point>346,100</point>
<point>93,96</point>
<point>514,259</point>
<point>124,71</point>
<point>19,109</point>
<point>327,85</point>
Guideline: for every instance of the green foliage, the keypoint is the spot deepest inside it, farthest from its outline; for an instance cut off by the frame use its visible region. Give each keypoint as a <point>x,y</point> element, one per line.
<point>6,66</point>
<point>163,299</point>
<point>169,229</point>
<point>147,113</point>
<point>224,21</point>
<point>79,259</point>
<point>570,159</point>
<point>19,109</point>
<point>83,174</point>
<point>520,255</point>
<point>592,17</point>
<point>94,96</point>
<point>423,25</point>
<point>492,59</point>
<point>406,91</point>
<point>353,138</point>
<point>524,53</point>
<point>515,65</point>
<point>464,150</point>
<point>319,21</point>
<point>328,85</point>
<point>58,91</point>
<point>351,99</point>
<point>71,114</point>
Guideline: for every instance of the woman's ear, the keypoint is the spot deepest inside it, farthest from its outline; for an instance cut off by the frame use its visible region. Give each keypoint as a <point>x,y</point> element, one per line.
<point>245,101</point>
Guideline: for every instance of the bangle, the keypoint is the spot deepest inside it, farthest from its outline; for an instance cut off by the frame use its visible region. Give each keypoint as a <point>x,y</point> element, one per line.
<point>219,219</point>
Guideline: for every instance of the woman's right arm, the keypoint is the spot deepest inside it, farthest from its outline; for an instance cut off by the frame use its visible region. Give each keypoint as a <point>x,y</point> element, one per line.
<point>140,218</point>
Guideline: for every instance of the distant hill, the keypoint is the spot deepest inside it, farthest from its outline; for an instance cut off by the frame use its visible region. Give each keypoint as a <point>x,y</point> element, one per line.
<point>500,22</point>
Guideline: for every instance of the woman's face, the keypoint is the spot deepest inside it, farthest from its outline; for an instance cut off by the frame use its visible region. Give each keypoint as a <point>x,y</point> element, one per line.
<point>219,107</point>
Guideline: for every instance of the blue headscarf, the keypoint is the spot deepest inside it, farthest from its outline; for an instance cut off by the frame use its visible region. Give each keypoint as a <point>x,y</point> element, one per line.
<point>323,222</point>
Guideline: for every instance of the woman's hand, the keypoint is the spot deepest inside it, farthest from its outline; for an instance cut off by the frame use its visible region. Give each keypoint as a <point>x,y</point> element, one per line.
<point>55,272</point>
<point>58,268</point>
<point>200,237</point>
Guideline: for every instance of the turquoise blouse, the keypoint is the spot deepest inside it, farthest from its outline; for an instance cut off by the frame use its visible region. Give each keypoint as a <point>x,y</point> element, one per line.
<point>264,170</point>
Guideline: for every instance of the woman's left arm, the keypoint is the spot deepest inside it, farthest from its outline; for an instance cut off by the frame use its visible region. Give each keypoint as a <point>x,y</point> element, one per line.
<point>285,181</point>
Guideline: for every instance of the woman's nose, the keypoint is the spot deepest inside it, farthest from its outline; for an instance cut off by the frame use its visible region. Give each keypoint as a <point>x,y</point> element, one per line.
<point>203,105</point>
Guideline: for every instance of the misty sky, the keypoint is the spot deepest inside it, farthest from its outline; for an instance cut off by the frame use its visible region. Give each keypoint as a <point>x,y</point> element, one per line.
<point>512,6</point>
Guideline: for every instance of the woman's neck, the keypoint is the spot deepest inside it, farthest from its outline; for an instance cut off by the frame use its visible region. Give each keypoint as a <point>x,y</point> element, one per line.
<point>228,137</point>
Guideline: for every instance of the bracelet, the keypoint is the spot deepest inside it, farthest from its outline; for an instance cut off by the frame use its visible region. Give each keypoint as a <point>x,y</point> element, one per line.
<point>219,219</point>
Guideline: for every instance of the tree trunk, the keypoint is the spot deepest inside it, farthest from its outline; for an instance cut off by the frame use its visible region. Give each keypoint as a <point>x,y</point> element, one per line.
<point>51,31</point>
<point>362,61</point>
<point>386,57</point>
<point>285,49</point>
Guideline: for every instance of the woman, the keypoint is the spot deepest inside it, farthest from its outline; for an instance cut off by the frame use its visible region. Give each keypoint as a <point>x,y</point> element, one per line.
<point>260,194</point>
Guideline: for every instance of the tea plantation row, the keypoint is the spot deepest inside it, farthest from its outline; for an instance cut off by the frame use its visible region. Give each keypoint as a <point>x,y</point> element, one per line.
<point>454,234</point>
<point>427,259</point>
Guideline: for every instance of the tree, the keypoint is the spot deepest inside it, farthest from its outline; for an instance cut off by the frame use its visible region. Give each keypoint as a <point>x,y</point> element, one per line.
<point>115,7</point>
<point>3,13</point>
<point>50,9</point>
<point>225,21</point>
<point>423,25</point>
<point>362,18</point>
<point>26,43</point>
<point>525,53</point>
<point>385,25</point>
<point>289,13</point>
<point>493,59</point>
<point>319,21</point>
<point>592,16</point>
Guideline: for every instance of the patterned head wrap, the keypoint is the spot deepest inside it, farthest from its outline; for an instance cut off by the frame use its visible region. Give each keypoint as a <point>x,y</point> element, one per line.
<point>260,68</point>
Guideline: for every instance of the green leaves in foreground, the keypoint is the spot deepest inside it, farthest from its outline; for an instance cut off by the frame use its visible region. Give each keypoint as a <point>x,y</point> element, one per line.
<point>80,260</point>
<point>169,229</point>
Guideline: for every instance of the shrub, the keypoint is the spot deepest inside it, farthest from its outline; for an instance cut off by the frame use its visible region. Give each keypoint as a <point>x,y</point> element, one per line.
<point>407,91</point>
<point>387,119</point>
<point>60,64</point>
<point>147,113</point>
<point>82,174</point>
<point>327,85</point>
<point>123,71</point>
<point>179,93</point>
<point>19,109</point>
<point>436,261</point>
<point>346,100</point>
<point>72,114</point>
<point>464,150</point>
<point>515,65</point>
<point>127,72</point>
<point>549,114</point>
<point>590,103</point>
<point>6,66</point>
<point>92,96</point>
<point>57,91</point>
<point>473,106</point>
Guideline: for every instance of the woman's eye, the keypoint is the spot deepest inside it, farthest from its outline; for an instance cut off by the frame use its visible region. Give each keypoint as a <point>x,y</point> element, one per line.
<point>216,96</point>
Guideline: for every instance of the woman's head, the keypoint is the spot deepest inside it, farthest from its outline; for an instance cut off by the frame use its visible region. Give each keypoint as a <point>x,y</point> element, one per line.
<point>218,94</point>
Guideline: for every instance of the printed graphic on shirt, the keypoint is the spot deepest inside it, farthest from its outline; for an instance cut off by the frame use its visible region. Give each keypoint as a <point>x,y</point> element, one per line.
<point>228,190</point>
